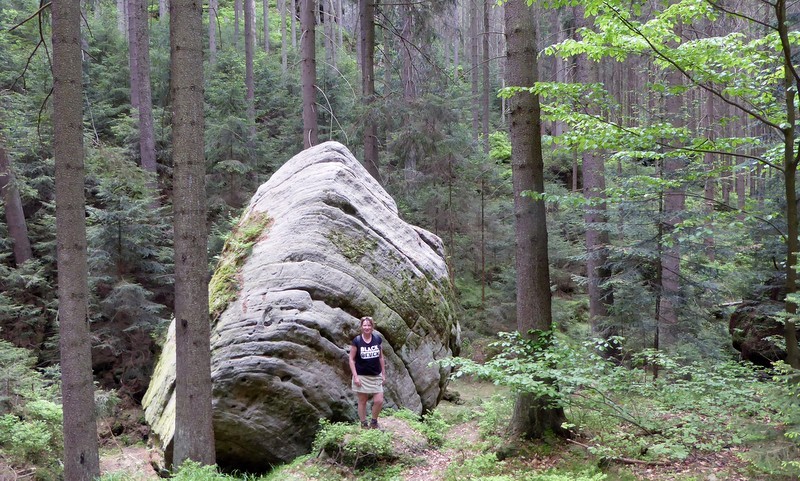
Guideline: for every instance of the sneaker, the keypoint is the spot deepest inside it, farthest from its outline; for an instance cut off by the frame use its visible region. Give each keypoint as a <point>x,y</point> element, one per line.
<point>374,424</point>
<point>364,425</point>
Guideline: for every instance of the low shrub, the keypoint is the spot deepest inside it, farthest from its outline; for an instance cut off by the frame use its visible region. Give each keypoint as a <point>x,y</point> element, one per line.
<point>351,445</point>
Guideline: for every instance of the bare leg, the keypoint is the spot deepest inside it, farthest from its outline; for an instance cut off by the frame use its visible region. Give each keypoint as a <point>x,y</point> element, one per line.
<point>362,406</point>
<point>377,404</point>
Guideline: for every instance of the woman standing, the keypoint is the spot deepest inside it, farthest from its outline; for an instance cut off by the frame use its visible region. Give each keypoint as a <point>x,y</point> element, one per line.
<point>369,374</point>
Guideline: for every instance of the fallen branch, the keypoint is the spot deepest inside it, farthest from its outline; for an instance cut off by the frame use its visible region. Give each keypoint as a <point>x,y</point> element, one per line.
<point>624,460</point>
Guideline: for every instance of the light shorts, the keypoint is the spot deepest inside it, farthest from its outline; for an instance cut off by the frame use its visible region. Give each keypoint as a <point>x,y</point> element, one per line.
<point>369,385</point>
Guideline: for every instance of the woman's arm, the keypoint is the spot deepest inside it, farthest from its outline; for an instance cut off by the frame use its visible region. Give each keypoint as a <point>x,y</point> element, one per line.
<point>383,366</point>
<point>353,350</point>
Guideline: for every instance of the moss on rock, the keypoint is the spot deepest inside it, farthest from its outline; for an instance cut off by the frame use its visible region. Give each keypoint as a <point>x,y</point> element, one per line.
<point>224,287</point>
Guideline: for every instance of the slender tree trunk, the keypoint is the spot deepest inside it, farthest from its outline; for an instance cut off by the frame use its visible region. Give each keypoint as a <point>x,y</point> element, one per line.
<point>598,273</point>
<point>790,160</point>
<point>475,70</point>
<point>407,72</point>
<point>486,80</point>
<point>367,22</point>
<point>194,435</point>
<point>709,189</point>
<point>483,243</point>
<point>15,217</point>
<point>163,10</point>
<point>265,4</point>
<point>741,189</point>
<point>139,52</point>
<point>533,416</point>
<point>237,20</point>
<point>131,9</point>
<point>328,16</point>
<point>411,155</point>
<point>249,53</point>
<point>674,202</point>
<point>213,11</point>
<point>122,17</point>
<point>340,24</point>
<point>284,47</point>
<point>309,73</point>
<point>294,23</point>
<point>81,459</point>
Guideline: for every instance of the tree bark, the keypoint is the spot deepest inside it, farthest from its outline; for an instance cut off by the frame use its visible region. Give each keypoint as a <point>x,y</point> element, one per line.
<point>15,217</point>
<point>284,49</point>
<point>266,25</point>
<point>237,20</point>
<point>139,53</point>
<point>790,159</point>
<point>330,40</point>
<point>122,17</point>
<point>367,40</point>
<point>486,81</point>
<point>194,435</point>
<point>293,19</point>
<point>601,297</point>
<point>81,459</point>
<point>309,72</point>
<point>533,417</point>
<point>475,70</point>
<point>213,11</point>
<point>674,203</point>
<point>407,72</point>
<point>709,188</point>
<point>249,52</point>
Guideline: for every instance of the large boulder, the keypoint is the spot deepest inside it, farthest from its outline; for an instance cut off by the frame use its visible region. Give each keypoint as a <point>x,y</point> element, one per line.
<point>320,245</point>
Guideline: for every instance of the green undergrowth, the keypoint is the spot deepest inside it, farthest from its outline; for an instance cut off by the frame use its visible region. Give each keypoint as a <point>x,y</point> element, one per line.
<point>619,411</point>
<point>468,440</point>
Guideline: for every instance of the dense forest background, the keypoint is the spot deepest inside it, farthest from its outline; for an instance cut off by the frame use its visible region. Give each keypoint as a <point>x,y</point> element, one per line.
<point>669,159</point>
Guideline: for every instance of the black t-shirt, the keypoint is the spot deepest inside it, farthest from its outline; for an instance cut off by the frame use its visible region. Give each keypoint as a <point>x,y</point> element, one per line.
<point>368,355</point>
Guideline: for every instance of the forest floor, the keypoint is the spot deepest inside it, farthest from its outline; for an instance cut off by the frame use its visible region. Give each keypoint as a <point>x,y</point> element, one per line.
<point>465,455</point>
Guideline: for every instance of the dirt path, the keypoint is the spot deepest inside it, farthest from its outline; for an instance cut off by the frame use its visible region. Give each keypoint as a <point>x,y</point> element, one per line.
<point>133,461</point>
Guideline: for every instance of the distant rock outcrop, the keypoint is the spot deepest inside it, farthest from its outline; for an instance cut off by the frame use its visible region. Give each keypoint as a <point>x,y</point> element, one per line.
<point>320,245</point>
<point>753,324</point>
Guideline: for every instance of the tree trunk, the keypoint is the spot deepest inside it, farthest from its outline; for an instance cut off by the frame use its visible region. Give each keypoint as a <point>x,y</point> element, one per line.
<point>237,20</point>
<point>293,18</point>
<point>601,297</point>
<point>309,72</point>
<point>709,189</point>
<point>674,202</point>
<point>266,25</point>
<point>475,70</point>
<point>367,40</point>
<point>15,217</point>
<point>407,72</point>
<point>122,17</point>
<point>194,435</point>
<point>213,11</point>
<point>284,48</point>
<point>81,459</point>
<point>533,417</point>
<point>790,159</point>
<point>139,52</point>
<point>328,23</point>
<point>486,81</point>
<point>249,52</point>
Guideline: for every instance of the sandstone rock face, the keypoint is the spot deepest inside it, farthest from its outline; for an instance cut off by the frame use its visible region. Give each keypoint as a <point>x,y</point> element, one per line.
<point>334,249</point>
